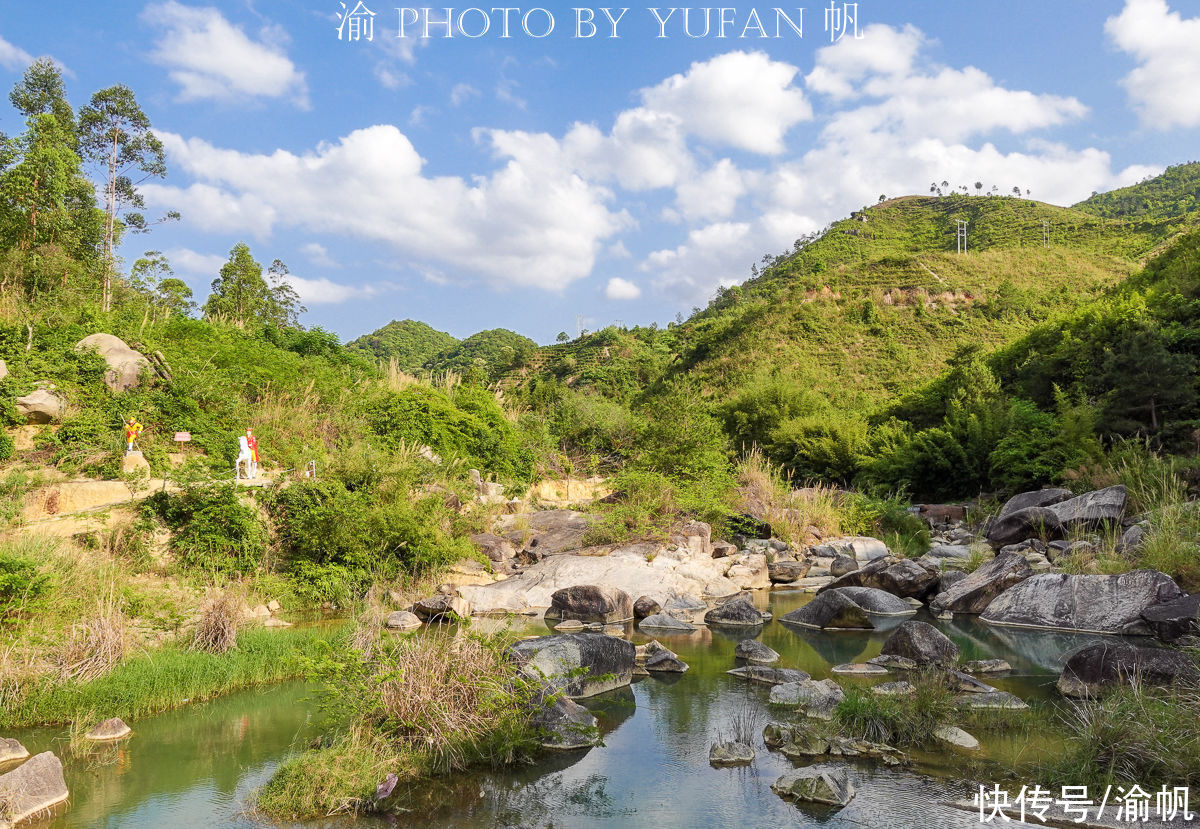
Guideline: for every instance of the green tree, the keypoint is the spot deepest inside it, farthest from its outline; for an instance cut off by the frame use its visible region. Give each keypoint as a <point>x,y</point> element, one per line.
<point>42,91</point>
<point>563,337</point>
<point>242,297</point>
<point>152,276</point>
<point>282,307</point>
<point>1146,381</point>
<point>116,134</point>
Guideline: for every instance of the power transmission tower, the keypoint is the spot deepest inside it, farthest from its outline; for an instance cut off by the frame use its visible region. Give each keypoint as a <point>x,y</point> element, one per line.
<point>962,236</point>
<point>1045,234</point>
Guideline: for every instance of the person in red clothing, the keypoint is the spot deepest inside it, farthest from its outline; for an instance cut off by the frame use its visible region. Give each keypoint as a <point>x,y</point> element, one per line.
<point>252,442</point>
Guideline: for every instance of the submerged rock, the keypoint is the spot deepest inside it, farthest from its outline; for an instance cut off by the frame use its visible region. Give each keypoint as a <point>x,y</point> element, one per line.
<point>1099,604</point>
<point>591,603</point>
<point>922,643</point>
<point>730,754</point>
<point>37,785</point>
<point>755,652</point>
<point>577,664</point>
<point>564,724</point>
<point>109,730</point>
<point>768,676</point>
<point>831,787</point>
<point>1101,666</point>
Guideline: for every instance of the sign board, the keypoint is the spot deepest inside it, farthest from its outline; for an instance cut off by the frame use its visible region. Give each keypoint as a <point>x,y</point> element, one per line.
<point>183,437</point>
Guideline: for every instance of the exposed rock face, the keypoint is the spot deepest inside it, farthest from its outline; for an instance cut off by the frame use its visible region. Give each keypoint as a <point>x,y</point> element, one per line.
<point>768,676</point>
<point>755,652</point>
<point>738,613</point>
<point>976,591</point>
<point>785,572</point>
<point>124,364</point>
<point>577,664</point>
<point>493,546</point>
<point>877,602</point>
<point>111,729</point>
<point>750,572</point>
<point>564,724</point>
<point>645,607</point>
<point>831,787</point>
<point>663,622</point>
<point>1102,604</point>
<point>40,406</point>
<point>11,750</point>
<point>34,786</point>
<point>730,754</point>
<point>402,620</point>
<point>1092,510</point>
<point>843,565</point>
<point>1175,619</point>
<point>1036,498</point>
<point>134,462</point>
<point>830,610</point>
<point>1030,522</point>
<point>550,532</point>
<point>591,603</point>
<point>922,643</point>
<point>442,608</point>
<point>1104,665</point>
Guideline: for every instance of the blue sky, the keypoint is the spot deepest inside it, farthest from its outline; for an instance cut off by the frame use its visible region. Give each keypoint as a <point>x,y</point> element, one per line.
<point>527,182</point>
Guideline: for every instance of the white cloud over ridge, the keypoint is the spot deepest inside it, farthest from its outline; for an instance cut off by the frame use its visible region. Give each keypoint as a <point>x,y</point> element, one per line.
<point>212,59</point>
<point>1163,87</point>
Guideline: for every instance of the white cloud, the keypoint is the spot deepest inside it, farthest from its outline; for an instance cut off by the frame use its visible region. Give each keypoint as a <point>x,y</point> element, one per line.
<point>318,254</point>
<point>525,224</point>
<point>461,93</point>
<point>390,78</point>
<point>210,58</point>
<point>322,291</point>
<point>213,209</point>
<point>713,194</point>
<point>13,57</point>
<point>1163,87</point>
<point>190,263</point>
<point>620,289</point>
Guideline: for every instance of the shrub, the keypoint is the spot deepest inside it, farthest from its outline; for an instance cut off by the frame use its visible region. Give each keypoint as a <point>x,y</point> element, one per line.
<point>213,529</point>
<point>22,588</point>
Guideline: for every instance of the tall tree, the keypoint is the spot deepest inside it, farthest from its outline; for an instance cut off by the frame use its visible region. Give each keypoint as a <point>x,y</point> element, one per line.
<point>41,91</point>
<point>116,134</point>
<point>283,303</point>
<point>242,297</point>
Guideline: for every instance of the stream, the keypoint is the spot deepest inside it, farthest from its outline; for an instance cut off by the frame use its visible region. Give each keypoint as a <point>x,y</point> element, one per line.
<point>199,765</point>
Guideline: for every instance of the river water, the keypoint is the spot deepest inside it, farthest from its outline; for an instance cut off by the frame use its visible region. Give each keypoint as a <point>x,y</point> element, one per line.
<point>199,765</point>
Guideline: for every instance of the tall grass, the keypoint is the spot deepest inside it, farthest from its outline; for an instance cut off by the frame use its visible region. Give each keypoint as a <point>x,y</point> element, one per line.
<point>898,719</point>
<point>766,491</point>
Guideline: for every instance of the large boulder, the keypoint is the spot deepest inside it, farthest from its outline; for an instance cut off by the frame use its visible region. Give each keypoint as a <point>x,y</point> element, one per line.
<point>859,576</point>
<point>785,572</point>
<point>1092,510</point>
<point>974,592</point>
<point>755,652</point>
<point>663,622</point>
<point>859,547</point>
<point>815,699</point>
<point>645,607</point>
<point>1104,665</point>
<point>878,602</point>
<point>442,608</point>
<point>1031,522</point>
<point>590,603</point>
<point>831,787</point>
<point>577,664</point>
<point>750,572</point>
<point>1176,619</point>
<point>830,610</point>
<point>563,724</point>
<point>1100,604</point>
<point>1036,498</point>
<point>125,365</point>
<point>737,613</point>
<point>40,406</point>
<point>905,578</point>
<point>922,643</point>
<point>35,786</point>
<point>548,532</point>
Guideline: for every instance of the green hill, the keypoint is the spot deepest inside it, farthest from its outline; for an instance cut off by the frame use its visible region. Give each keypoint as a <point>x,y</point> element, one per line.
<point>1173,194</point>
<point>489,353</point>
<point>409,342</point>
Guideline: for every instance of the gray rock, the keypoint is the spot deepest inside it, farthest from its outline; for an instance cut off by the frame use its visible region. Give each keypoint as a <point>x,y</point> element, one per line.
<point>961,552</point>
<point>949,578</point>
<point>37,785</point>
<point>1036,498</point>
<point>40,406</point>
<point>1093,510</point>
<point>494,547</point>
<point>645,607</point>
<point>986,666</point>
<point>905,578</point>
<point>830,610</point>
<point>1172,621</point>
<point>967,684</point>
<point>755,652</point>
<point>1101,604</point>
<point>591,603</point>
<point>125,366</point>
<point>722,549</point>
<point>737,613</point>
<point>831,787</point>
<point>730,754</point>
<point>442,608</point>
<point>768,676</point>
<point>877,602</point>
<point>1041,522</point>
<point>843,565</point>
<point>550,532</point>
<point>922,643</point>
<point>992,700</point>
<point>893,662</point>
<point>665,661</point>
<point>815,699</point>
<point>903,688</point>
<point>111,729</point>
<point>785,572</point>
<point>862,548</point>
<point>1134,538</point>
<point>402,620</point>
<point>663,622</point>
<point>1096,668</point>
<point>977,590</point>
<point>11,750</point>
<point>956,737</point>
<point>577,664</point>
<point>859,669</point>
<point>563,724</point>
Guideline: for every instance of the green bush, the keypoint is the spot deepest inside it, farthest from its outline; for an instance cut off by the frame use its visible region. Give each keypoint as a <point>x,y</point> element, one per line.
<point>22,588</point>
<point>212,529</point>
<point>6,447</point>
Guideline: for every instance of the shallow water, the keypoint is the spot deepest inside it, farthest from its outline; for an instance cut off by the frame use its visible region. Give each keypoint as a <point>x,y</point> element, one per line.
<point>197,766</point>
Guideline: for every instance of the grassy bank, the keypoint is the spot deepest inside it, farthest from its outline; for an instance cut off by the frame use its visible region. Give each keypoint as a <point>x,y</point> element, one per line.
<point>169,677</point>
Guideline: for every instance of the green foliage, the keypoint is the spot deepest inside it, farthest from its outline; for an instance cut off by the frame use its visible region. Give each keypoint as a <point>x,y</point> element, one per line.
<point>243,297</point>
<point>213,530</point>
<point>888,518</point>
<point>1173,193</point>
<point>485,355</point>
<point>410,343</point>
<point>899,720</point>
<point>23,588</point>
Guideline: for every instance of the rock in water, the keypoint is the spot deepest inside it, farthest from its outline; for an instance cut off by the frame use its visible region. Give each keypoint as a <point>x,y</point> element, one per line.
<point>35,786</point>
<point>830,610</point>
<point>11,750</point>
<point>663,622</point>
<point>738,613</point>
<point>877,602</point>
<point>1104,665</point>
<point>1175,619</point>
<point>442,608</point>
<point>1100,604</point>
<point>646,607</point>
<point>589,603</point>
<point>816,699</point>
<point>986,666</point>
<point>730,754</point>
<point>922,643</point>
<point>109,730</point>
<point>768,676</point>
<point>124,364</point>
<point>564,724</point>
<point>577,664</point>
<point>786,572</point>
<point>755,652</point>
<point>665,661</point>
<point>831,787</point>
<point>905,578</point>
<point>976,591</point>
<point>402,620</point>
<point>956,737</point>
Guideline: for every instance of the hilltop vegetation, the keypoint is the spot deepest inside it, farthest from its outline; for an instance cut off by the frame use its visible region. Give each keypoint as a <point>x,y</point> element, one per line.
<point>410,343</point>
<point>1173,194</point>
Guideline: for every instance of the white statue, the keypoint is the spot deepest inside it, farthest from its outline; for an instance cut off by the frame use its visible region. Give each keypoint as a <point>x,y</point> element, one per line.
<point>244,457</point>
